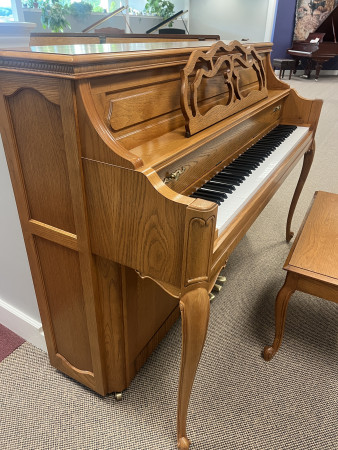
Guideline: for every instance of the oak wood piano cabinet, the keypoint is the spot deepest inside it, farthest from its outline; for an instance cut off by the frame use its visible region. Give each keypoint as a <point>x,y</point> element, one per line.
<point>108,148</point>
<point>107,36</point>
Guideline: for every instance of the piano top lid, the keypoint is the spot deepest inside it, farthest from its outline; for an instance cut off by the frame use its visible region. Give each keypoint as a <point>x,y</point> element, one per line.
<point>78,61</point>
<point>329,26</point>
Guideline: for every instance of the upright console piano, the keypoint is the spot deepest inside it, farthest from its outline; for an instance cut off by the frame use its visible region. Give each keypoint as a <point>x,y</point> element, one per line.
<point>136,171</point>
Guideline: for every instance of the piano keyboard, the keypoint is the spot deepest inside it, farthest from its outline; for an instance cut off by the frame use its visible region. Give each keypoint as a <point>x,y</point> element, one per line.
<point>235,185</point>
<point>296,52</point>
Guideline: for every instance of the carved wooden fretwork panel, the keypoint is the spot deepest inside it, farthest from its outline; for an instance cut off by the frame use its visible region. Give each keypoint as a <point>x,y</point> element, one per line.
<point>240,70</point>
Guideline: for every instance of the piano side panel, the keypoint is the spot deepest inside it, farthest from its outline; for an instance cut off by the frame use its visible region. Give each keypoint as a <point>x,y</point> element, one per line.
<point>41,150</point>
<point>109,280</point>
<point>39,134</point>
<point>62,282</point>
<point>136,315</point>
<point>300,111</point>
<point>149,314</point>
<point>148,235</point>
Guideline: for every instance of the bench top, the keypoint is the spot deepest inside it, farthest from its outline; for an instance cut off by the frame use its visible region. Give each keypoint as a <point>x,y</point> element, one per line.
<point>315,250</point>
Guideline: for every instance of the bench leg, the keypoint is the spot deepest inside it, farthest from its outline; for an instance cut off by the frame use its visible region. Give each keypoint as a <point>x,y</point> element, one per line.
<point>307,162</point>
<point>194,306</point>
<point>281,305</point>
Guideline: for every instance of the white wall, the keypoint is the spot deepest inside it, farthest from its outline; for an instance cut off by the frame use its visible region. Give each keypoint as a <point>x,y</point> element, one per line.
<point>231,19</point>
<point>18,305</point>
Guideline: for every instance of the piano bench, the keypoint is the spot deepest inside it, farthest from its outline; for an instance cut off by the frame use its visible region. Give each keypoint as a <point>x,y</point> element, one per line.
<point>283,65</point>
<point>312,264</point>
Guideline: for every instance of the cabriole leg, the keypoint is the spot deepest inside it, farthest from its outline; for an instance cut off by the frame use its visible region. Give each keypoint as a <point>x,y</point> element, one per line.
<point>281,305</point>
<point>307,162</point>
<point>194,307</point>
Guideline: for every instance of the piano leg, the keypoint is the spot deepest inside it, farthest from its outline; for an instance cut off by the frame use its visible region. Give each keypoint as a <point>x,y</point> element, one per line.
<point>308,68</point>
<point>281,305</point>
<point>307,162</point>
<point>194,307</point>
<point>319,66</point>
<point>297,60</point>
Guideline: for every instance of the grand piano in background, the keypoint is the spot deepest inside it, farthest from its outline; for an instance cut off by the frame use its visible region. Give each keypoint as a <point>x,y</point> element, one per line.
<point>109,35</point>
<point>137,169</point>
<point>318,53</point>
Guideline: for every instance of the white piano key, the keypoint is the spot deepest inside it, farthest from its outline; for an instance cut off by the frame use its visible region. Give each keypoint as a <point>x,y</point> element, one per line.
<point>231,206</point>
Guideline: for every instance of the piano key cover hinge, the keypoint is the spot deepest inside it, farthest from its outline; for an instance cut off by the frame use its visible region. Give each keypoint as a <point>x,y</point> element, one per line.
<point>174,175</point>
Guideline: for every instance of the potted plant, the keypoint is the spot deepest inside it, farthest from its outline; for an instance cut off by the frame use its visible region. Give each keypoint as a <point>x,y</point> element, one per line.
<point>80,9</point>
<point>53,15</point>
<point>54,12</point>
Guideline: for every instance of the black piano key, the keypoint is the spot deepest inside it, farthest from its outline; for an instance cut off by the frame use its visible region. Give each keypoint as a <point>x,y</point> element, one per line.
<point>245,164</point>
<point>231,183</point>
<point>210,197</point>
<point>225,173</point>
<point>238,176</point>
<point>217,194</point>
<point>240,171</point>
<point>217,188</point>
<point>224,182</point>
<point>219,185</point>
<point>251,157</point>
<point>261,153</point>
<point>205,197</point>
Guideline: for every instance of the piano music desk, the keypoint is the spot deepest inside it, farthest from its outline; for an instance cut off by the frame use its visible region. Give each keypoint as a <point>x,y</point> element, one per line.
<point>312,264</point>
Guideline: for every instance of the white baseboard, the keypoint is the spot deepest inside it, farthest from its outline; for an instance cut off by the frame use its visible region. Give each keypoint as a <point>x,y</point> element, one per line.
<point>23,325</point>
<point>301,71</point>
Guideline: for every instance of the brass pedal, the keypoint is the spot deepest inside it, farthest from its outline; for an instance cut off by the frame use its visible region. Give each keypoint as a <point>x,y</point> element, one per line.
<point>211,297</point>
<point>217,288</point>
<point>221,279</point>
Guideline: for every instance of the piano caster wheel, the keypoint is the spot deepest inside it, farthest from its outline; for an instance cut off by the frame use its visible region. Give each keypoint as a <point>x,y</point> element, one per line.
<point>221,279</point>
<point>211,297</point>
<point>118,396</point>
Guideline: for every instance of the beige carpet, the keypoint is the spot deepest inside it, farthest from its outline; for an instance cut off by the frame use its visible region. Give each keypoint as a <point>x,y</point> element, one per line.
<point>239,401</point>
